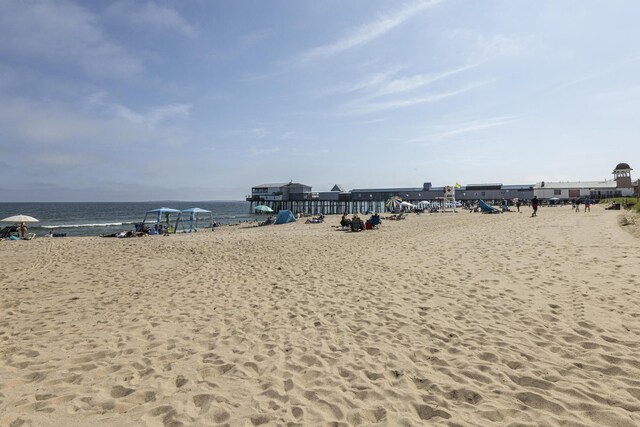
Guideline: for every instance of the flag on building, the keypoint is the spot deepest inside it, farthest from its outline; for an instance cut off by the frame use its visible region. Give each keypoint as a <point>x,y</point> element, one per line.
<point>458,185</point>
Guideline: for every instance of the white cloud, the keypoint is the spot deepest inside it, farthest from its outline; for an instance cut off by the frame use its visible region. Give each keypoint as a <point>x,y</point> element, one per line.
<point>254,37</point>
<point>152,116</point>
<point>417,81</point>
<point>259,133</point>
<point>484,47</point>
<point>150,15</point>
<point>370,82</point>
<point>62,159</point>
<point>256,151</point>
<point>38,124</point>
<point>362,107</point>
<point>62,33</point>
<point>466,127</point>
<point>367,32</point>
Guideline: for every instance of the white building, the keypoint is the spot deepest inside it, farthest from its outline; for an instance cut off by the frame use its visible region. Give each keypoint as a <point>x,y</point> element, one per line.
<point>620,186</point>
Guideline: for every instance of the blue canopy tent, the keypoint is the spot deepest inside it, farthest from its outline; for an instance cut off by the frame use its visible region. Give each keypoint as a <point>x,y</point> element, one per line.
<point>193,217</point>
<point>161,213</point>
<point>285,217</point>
<point>485,208</point>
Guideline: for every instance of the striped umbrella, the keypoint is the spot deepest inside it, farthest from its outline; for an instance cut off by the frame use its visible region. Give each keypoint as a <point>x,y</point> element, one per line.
<point>394,203</point>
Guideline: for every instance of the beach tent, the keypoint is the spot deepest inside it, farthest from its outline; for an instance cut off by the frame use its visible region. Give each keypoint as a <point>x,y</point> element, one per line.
<point>485,208</point>
<point>160,214</point>
<point>284,217</point>
<point>193,217</point>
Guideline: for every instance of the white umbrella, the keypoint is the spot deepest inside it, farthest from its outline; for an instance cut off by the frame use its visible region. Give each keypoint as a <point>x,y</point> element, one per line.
<point>19,218</point>
<point>263,209</point>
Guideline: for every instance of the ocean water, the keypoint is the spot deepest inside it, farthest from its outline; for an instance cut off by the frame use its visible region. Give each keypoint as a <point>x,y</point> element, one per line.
<point>93,219</point>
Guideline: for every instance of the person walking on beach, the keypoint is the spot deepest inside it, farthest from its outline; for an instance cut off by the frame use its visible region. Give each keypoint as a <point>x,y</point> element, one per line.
<point>534,204</point>
<point>518,205</point>
<point>587,204</point>
<point>577,205</point>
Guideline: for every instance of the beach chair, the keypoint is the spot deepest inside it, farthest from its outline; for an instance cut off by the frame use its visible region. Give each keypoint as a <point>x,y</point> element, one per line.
<point>6,232</point>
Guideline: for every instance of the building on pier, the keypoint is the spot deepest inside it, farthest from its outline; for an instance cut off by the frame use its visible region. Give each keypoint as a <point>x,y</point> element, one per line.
<point>301,198</point>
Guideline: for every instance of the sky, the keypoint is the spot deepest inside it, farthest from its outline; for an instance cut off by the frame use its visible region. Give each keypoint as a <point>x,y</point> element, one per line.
<point>201,100</point>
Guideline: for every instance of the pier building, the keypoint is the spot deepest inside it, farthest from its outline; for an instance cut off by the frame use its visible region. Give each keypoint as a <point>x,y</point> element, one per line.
<point>300,197</point>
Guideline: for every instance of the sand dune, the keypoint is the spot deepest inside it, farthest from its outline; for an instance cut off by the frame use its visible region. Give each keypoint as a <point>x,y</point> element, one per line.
<point>445,319</point>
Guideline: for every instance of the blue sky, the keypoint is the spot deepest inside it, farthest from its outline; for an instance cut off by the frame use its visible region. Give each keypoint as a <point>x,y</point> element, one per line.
<point>200,100</point>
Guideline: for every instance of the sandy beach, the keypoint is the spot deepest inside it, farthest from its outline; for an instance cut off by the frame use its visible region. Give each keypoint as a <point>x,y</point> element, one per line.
<point>445,319</point>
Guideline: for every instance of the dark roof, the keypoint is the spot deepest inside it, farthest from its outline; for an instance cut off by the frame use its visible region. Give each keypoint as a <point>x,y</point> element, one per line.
<point>280,184</point>
<point>518,187</point>
<point>275,184</point>
<point>385,190</point>
<point>471,187</point>
<point>622,166</point>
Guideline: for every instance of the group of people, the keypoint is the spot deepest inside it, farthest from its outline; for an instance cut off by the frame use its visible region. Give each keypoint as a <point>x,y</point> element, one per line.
<point>16,232</point>
<point>587,205</point>
<point>315,220</point>
<point>357,224</point>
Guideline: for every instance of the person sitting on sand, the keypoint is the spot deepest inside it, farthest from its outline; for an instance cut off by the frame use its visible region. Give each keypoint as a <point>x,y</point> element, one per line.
<point>270,220</point>
<point>315,220</point>
<point>375,220</point>
<point>345,222</point>
<point>357,224</point>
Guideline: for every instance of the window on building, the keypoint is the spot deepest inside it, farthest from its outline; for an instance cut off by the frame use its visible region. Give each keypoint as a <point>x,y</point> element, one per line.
<point>482,193</point>
<point>557,192</point>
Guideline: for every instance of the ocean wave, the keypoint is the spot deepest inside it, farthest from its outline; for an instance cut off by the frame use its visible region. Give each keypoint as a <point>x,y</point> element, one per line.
<point>106,224</point>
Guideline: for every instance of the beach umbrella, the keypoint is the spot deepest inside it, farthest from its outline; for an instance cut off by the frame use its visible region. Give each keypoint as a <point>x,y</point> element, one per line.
<point>407,205</point>
<point>263,209</point>
<point>19,218</point>
<point>393,203</point>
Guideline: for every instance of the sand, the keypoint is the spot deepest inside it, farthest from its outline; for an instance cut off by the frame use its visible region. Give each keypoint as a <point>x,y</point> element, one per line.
<point>443,319</point>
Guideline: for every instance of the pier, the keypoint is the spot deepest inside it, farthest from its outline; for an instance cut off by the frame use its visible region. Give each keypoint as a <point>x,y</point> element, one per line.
<point>299,197</point>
